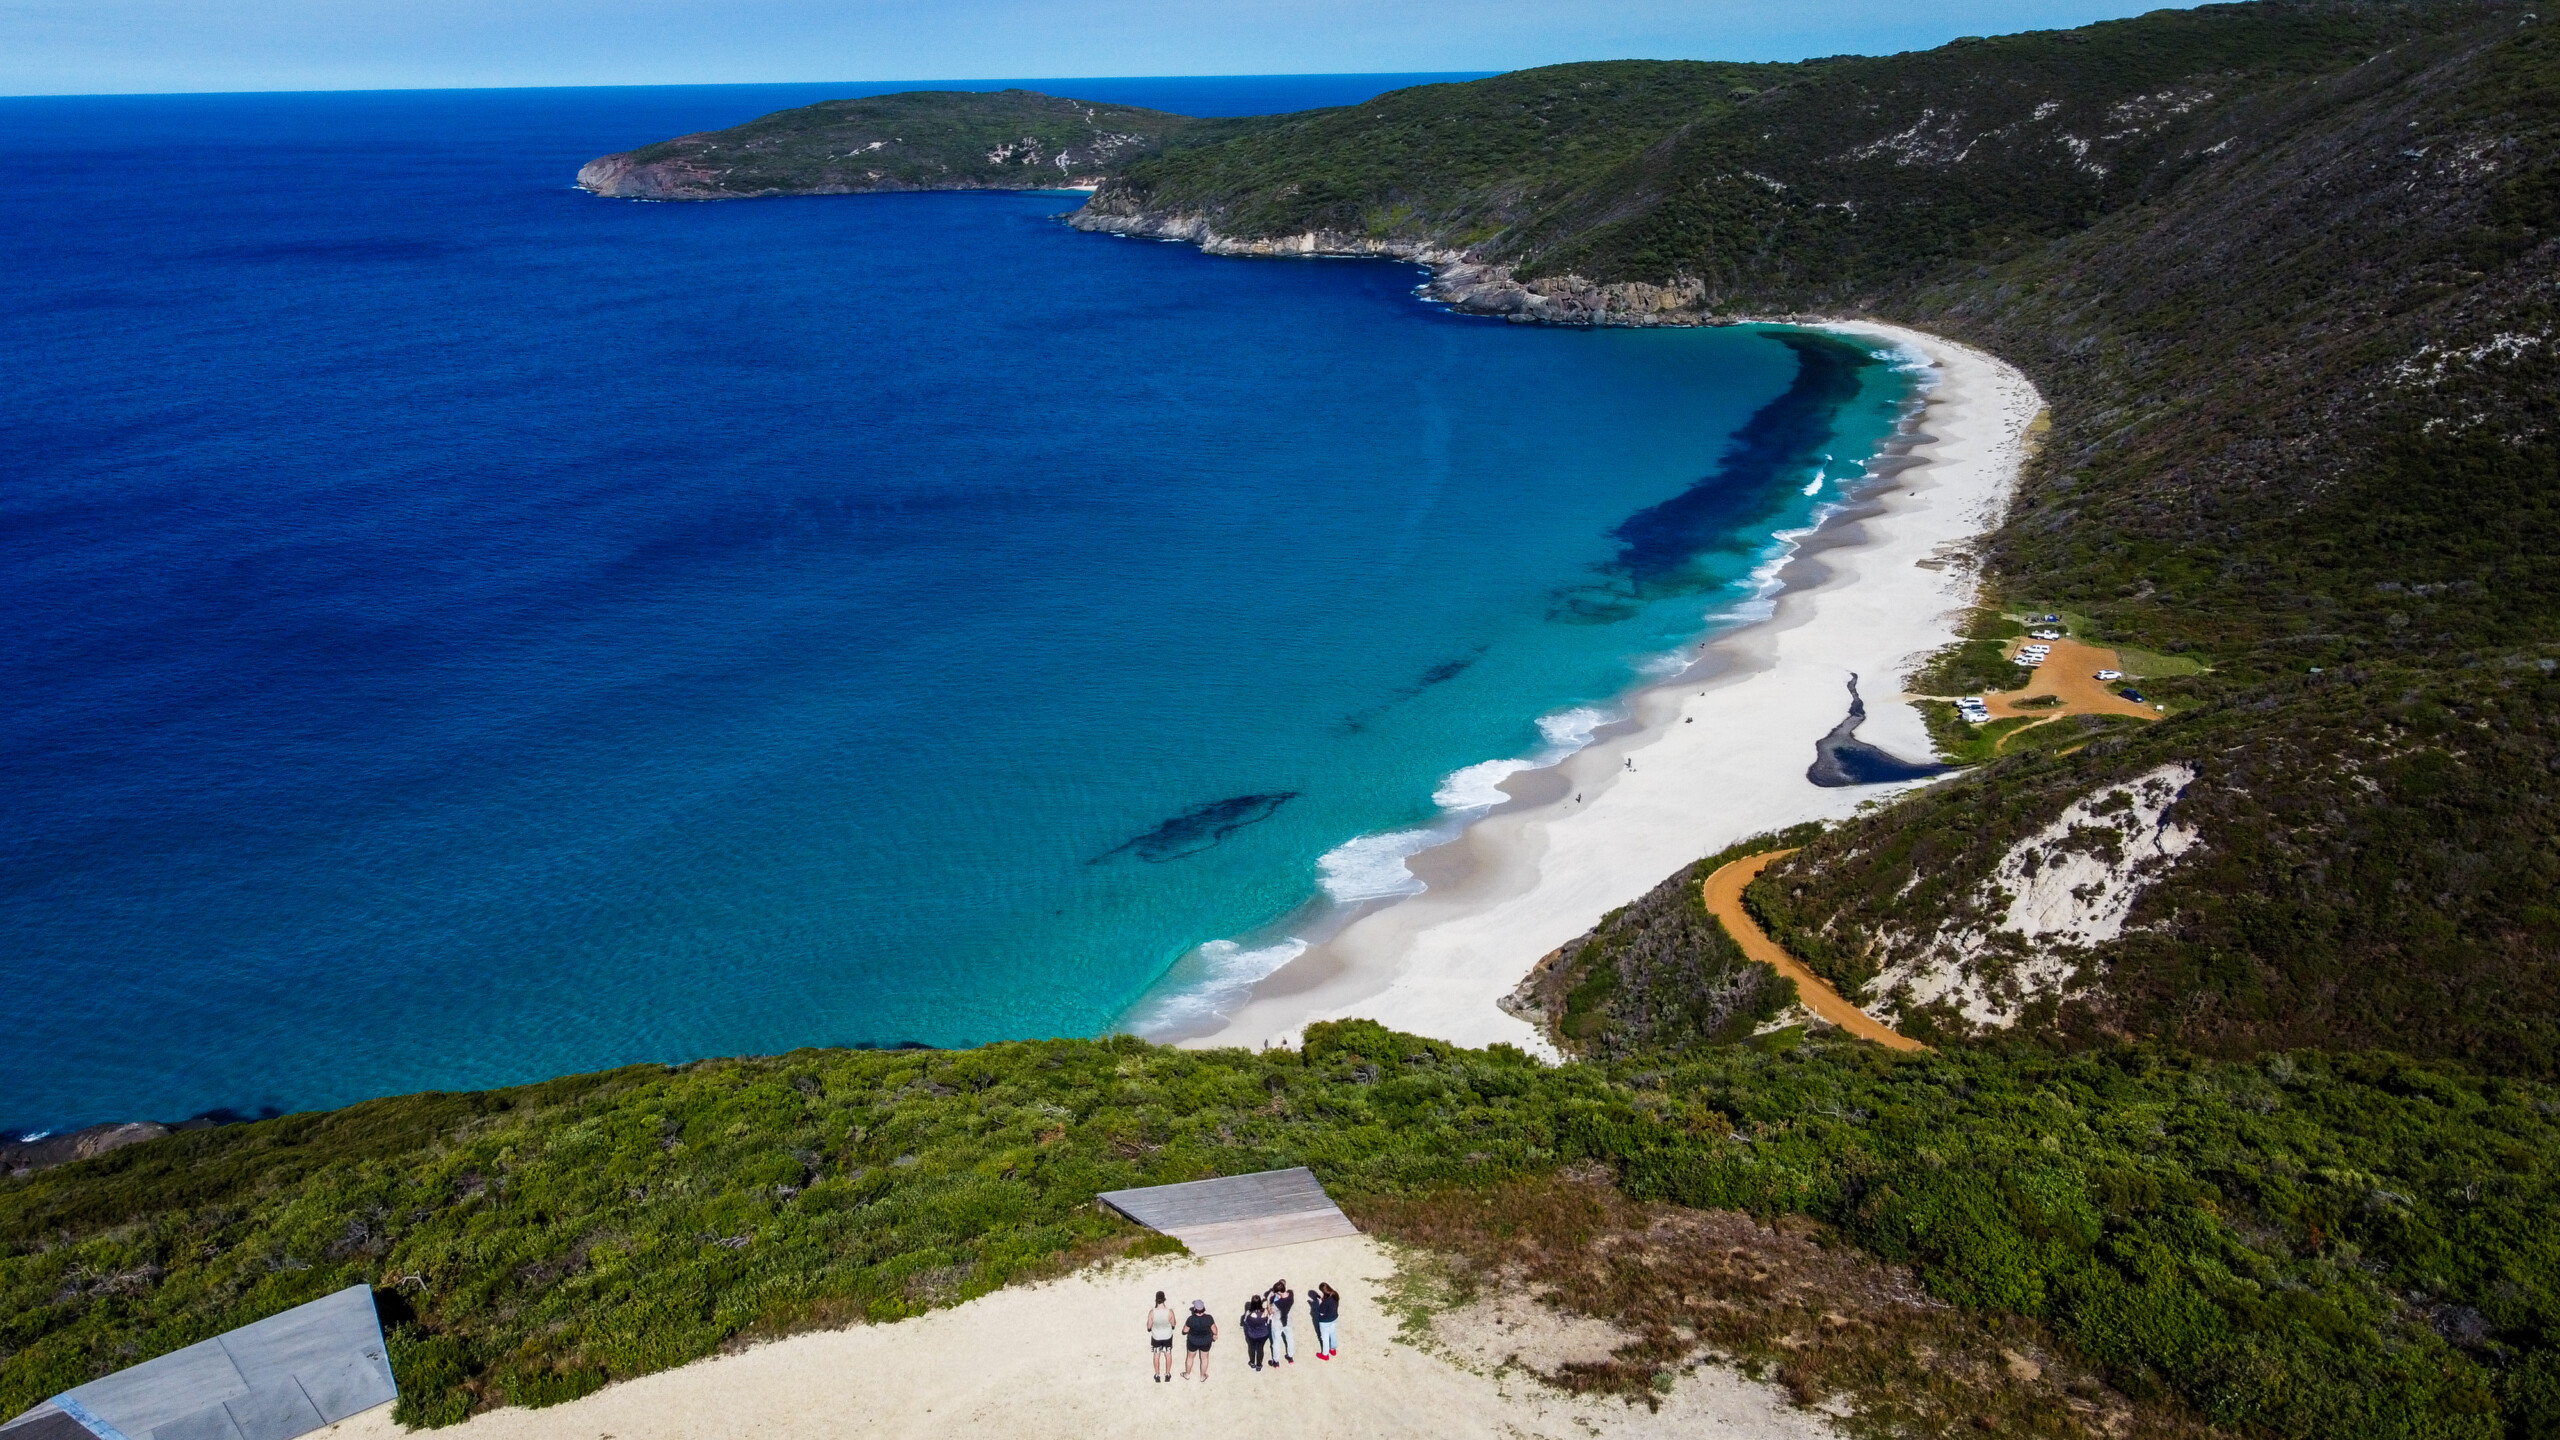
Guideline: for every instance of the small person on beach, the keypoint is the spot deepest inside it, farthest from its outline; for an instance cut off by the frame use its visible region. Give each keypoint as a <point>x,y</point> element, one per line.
<point>1160,1327</point>
<point>1325,1308</point>
<point>1256,1325</point>
<point>1284,1345</point>
<point>1200,1332</point>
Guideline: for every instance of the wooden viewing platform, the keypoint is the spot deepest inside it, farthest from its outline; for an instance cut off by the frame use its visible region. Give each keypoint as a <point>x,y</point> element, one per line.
<point>283,1376</point>
<point>1237,1212</point>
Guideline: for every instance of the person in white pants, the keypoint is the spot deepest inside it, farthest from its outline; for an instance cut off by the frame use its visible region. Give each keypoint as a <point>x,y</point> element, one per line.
<point>1325,1307</point>
<point>1284,1344</point>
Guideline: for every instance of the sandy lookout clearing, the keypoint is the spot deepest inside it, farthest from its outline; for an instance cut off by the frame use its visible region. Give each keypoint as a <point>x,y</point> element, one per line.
<point>1069,1359</point>
<point>1724,901</point>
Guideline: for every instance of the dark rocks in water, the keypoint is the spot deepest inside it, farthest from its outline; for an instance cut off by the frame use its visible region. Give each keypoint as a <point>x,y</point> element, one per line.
<point>1841,758</point>
<point>1200,827</point>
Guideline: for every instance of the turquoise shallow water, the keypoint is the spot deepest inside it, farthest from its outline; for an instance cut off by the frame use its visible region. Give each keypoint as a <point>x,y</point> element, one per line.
<point>466,631</point>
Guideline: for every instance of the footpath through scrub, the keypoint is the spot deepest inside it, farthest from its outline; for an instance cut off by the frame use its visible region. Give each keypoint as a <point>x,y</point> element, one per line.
<point>1724,901</point>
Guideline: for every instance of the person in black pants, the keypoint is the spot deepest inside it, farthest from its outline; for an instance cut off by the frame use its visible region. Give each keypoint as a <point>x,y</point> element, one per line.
<point>1199,1333</point>
<point>1256,1325</point>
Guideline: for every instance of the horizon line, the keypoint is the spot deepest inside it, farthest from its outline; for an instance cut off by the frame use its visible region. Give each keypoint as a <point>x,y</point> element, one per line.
<point>998,81</point>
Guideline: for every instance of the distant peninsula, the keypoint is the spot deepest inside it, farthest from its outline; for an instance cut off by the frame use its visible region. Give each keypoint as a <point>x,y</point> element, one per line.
<point>917,140</point>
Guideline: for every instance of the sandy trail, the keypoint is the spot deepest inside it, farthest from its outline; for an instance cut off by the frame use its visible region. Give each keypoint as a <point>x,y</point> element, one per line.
<point>1724,901</point>
<point>1069,1359</point>
<point>1716,757</point>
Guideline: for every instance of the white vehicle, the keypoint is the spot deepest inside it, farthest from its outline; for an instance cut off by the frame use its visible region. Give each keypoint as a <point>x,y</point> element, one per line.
<point>2110,675</point>
<point>2047,634</point>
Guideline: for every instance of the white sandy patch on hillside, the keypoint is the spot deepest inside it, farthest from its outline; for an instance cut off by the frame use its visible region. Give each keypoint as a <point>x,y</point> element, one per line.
<point>2069,886</point>
<point>1710,768</point>
<point>1068,1360</point>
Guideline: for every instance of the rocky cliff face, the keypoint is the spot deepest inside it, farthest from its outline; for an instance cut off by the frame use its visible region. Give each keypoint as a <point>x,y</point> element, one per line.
<point>1460,278</point>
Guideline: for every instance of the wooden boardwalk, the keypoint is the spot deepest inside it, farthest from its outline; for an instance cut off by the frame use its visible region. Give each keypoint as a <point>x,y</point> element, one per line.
<point>1238,1212</point>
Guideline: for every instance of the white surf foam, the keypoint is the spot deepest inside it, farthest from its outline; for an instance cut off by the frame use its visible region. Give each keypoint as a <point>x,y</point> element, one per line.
<point>1478,786</point>
<point>1215,977</point>
<point>1371,867</point>
<point>1569,730</point>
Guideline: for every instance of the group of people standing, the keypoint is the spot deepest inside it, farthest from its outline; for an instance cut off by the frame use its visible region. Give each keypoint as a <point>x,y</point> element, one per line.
<point>1269,1339</point>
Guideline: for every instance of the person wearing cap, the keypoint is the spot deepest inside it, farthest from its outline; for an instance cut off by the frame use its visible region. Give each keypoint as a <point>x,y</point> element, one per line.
<point>1199,1333</point>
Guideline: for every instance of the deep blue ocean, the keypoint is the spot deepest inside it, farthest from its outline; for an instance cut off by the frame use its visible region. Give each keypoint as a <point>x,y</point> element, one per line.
<point>460,630</point>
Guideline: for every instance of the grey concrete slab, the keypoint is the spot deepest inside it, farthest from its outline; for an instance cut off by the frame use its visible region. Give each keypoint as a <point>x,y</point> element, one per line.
<point>149,1395</point>
<point>211,1423</point>
<point>277,1410</point>
<point>349,1387</point>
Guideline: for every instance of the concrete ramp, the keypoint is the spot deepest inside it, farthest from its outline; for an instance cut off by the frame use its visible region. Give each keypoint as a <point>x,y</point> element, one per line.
<point>284,1376</point>
<point>1239,1212</point>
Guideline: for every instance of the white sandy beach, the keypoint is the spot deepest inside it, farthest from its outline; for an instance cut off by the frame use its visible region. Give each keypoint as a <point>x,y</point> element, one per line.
<point>1069,1359</point>
<point>1715,760</point>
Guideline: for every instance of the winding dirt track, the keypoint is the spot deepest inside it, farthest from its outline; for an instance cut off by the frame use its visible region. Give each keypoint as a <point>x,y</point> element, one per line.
<point>1724,901</point>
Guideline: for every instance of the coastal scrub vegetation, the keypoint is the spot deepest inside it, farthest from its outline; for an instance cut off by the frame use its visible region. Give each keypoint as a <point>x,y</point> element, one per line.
<point>2309,1244</point>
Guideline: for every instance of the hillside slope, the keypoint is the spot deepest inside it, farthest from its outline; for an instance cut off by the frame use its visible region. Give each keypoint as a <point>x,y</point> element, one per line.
<point>2312,1246</point>
<point>2286,274</point>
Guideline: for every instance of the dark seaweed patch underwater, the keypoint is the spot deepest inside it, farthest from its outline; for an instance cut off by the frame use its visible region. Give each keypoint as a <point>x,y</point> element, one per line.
<point>1660,546</point>
<point>1200,827</point>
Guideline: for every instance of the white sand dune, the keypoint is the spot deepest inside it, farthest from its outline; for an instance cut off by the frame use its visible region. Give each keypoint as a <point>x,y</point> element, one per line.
<point>1069,1359</point>
<point>1715,760</point>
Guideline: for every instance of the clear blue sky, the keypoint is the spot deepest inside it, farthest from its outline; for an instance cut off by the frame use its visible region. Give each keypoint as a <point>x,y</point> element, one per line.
<point>56,47</point>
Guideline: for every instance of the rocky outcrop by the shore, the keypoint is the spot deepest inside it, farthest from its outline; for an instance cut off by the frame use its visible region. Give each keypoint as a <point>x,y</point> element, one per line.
<point>1460,278</point>
<point>25,1157</point>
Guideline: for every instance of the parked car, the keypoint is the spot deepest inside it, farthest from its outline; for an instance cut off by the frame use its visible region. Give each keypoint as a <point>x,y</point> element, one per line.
<point>2110,675</point>
<point>2131,694</point>
<point>2046,634</point>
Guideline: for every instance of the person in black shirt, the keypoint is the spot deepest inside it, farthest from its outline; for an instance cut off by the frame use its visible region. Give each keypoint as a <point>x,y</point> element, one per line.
<point>1199,1333</point>
<point>1256,1325</point>
<point>1325,1307</point>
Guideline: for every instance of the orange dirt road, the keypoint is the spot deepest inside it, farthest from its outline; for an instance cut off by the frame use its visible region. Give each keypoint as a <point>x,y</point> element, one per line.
<point>1724,901</point>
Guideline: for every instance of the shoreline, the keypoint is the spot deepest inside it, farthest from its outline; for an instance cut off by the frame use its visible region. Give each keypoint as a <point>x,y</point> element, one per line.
<point>1719,750</point>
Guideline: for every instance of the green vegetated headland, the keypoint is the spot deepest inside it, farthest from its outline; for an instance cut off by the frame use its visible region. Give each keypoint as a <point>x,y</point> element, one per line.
<point>2243,1126</point>
<point>917,140</point>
